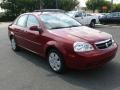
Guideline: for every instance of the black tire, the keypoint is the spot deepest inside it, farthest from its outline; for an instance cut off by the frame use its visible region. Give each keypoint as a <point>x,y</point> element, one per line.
<point>14,44</point>
<point>61,59</point>
<point>92,24</point>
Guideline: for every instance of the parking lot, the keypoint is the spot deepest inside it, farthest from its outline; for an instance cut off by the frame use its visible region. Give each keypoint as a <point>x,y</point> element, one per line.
<point>26,71</point>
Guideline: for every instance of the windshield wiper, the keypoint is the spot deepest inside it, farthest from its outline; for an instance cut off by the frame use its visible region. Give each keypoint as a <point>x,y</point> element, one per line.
<point>66,27</point>
<point>74,26</point>
<point>57,27</point>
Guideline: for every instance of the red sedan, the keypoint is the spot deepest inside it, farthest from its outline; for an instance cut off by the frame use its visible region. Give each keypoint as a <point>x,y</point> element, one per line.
<point>61,39</point>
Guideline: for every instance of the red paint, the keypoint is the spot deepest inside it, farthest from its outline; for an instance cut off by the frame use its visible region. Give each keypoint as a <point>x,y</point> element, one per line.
<point>63,40</point>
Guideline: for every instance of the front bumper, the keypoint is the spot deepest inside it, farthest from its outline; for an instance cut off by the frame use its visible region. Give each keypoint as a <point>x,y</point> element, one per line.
<point>91,59</point>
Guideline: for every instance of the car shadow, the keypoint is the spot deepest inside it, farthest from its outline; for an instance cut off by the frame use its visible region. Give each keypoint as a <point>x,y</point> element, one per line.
<point>104,78</point>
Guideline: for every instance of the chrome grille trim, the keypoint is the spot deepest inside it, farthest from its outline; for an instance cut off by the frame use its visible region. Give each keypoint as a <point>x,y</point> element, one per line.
<point>104,44</point>
<point>105,41</point>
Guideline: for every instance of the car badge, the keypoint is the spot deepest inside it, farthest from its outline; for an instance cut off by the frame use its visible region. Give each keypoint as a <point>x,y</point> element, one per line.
<point>106,44</point>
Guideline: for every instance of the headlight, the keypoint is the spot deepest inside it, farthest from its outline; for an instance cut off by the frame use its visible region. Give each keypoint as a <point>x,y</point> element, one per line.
<point>82,47</point>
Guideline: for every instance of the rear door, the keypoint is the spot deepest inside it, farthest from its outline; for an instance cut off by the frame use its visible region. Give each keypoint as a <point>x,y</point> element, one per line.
<point>19,30</point>
<point>115,17</point>
<point>108,19</point>
<point>119,17</point>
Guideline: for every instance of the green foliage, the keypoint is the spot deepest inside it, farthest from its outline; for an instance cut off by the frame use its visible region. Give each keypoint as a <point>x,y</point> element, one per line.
<point>68,5</point>
<point>116,7</point>
<point>98,4</point>
<point>92,5</point>
<point>49,4</point>
<point>15,7</point>
<point>62,4</point>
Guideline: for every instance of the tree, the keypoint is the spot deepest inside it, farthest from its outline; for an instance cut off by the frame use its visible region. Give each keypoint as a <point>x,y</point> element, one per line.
<point>61,4</point>
<point>98,4</point>
<point>92,5</point>
<point>15,7</point>
<point>68,5</point>
<point>116,7</point>
<point>105,6</point>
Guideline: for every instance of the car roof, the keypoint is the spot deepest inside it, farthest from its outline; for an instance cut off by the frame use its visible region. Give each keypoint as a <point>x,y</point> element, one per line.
<point>115,12</point>
<point>45,11</point>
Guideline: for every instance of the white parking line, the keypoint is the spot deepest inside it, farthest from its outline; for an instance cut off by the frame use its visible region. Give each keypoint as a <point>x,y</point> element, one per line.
<point>112,25</point>
<point>3,24</point>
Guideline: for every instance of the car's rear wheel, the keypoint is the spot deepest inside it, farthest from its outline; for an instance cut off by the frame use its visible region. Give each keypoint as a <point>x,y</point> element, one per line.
<point>14,44</point>
<point>56,61</point>
<point>92,24</point>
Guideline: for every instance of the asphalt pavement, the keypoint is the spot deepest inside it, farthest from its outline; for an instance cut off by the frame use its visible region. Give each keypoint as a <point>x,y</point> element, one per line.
<point>26,71</point>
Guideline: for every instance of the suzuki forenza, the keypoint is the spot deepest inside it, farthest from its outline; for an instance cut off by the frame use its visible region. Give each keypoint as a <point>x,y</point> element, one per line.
<point>62,40</point>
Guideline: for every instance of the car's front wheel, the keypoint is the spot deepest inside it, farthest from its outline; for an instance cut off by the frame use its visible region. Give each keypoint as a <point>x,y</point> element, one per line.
<point>56,61</point>
<point>14,44</point>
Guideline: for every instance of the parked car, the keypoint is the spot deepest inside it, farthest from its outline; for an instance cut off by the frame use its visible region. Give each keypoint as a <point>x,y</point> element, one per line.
<point>104,13</point>
<point>84,18</point>
<point>99,15</point>
<point>62,40</point>
<point>112,18</point>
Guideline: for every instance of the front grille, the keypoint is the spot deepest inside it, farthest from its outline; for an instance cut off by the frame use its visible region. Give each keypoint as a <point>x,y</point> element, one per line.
<point>104,44</point>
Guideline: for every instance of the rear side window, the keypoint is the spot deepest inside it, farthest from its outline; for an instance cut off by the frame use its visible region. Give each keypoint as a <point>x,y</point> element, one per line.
<point>32,21</point>
<point>114,14</point>
<point>119,14</point>
<point>22,21</point>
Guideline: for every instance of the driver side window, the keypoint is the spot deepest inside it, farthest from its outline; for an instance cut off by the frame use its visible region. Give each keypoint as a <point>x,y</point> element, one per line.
<point>78,15</point>
<point>84,14</point>
<point>114,14</point>
<point>32,21</point>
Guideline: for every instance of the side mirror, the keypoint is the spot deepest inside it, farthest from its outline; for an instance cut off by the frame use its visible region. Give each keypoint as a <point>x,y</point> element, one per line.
<point>36,28</point>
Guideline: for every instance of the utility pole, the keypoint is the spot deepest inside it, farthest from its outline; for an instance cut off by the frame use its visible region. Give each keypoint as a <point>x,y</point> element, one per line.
<point>111,5</point>
<point>41,4</point>
<point>56,4</point>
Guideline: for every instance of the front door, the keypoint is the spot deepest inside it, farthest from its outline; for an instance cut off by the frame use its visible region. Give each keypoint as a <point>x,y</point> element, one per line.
<point>34,38</point>
<point>79,17</point>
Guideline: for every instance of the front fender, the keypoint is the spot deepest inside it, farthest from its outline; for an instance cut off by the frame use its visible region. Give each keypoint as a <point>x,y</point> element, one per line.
<point>56,45</point>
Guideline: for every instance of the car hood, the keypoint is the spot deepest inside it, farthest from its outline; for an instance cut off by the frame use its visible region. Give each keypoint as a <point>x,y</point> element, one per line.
<point>81,33</point>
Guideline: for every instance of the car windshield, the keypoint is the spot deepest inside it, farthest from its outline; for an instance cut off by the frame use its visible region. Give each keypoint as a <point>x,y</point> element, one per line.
<point>58,20</point>
<point>71,13</point>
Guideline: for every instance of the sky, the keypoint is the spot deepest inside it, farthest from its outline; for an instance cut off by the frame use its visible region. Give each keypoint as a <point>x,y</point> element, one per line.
<point>82,2</point>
